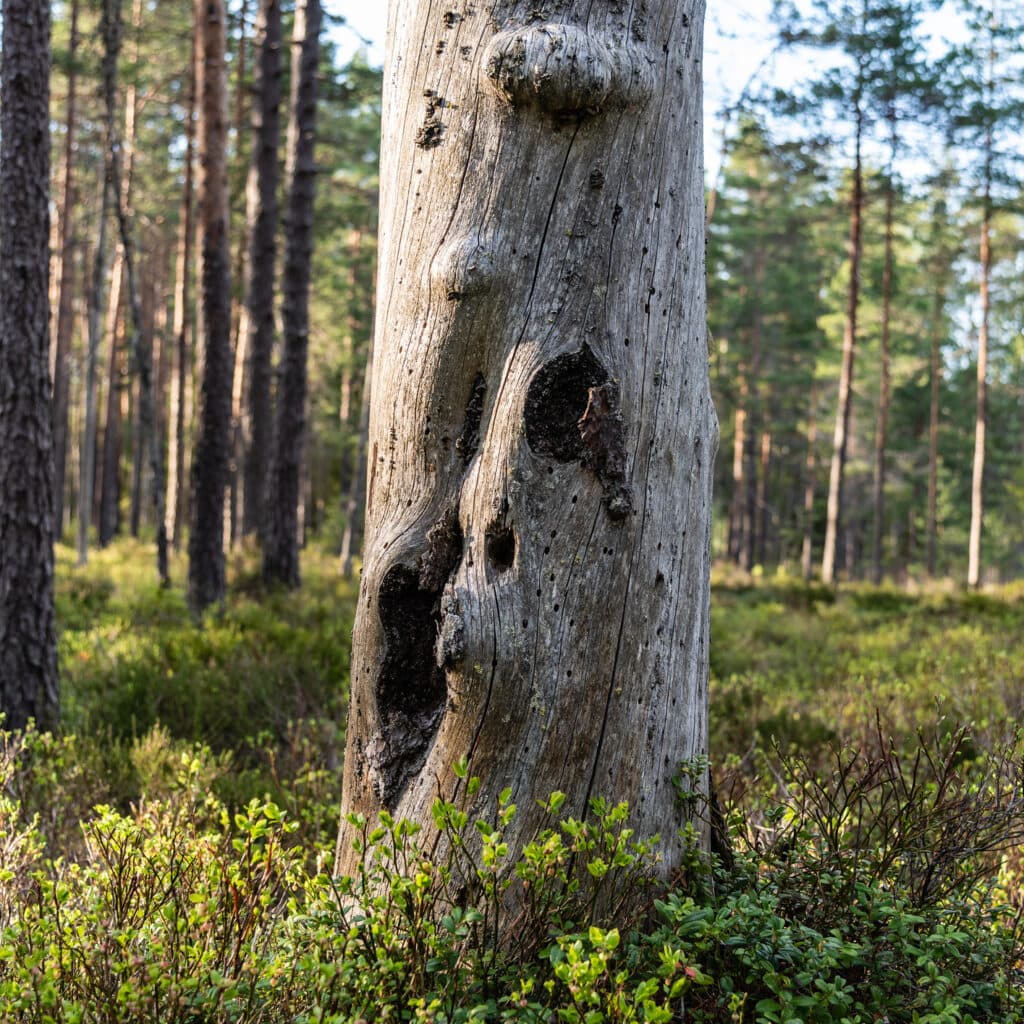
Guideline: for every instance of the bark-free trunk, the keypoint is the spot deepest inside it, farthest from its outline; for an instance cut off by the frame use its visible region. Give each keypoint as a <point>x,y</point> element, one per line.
<point>355,502</point>
<point>841,435</point>
<point>534,594</point>
<point>66,293</point>
<point>175,507</point>
<point>210,464</point>
<point>258,317</point>
<point>28,642</point>
<point>281,539</point>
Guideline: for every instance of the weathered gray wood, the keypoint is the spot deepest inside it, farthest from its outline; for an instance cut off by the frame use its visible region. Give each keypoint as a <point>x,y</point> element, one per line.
<point>534,594</point>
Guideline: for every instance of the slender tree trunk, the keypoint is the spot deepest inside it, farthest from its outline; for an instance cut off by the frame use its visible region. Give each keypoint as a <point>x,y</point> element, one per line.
<point>234,499</point>
<point>810,473</point>
<point>935,374</point>
<point>207,583</point>
<point>281,540</point>
<point>764,515</point>
<point>182,319</point>
<point>981,410</point>
<point>109,523</point>
<point>884,385</point>
<point>139,347</point>
<point>840,438</point>
<point>28,642</point>
<point>738,504</point>
<point>66,293</point>
<point>534,594</point>
<point>87,485</point>
<point>258,312</point>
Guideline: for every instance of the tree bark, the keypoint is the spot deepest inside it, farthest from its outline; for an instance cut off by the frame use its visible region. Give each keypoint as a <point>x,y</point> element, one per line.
<point>140,348</point>
<point>935,374</point>
<point>28,642</point>
<point>884,382</point>
<point>841,435</point>
<point>810,472</point>
<point>534,594</point>
<point>258,312</point>
<point>352,538</point>
<point>281,539</point>
<point>981,406</point>
<point>175,507</point>
<point>109,523</point>
<point>66,293</point>
<point>206,571</point>
<point>234,498</point>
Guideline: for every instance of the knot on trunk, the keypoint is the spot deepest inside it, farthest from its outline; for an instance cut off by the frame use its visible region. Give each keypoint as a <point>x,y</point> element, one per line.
<point>565,70</point>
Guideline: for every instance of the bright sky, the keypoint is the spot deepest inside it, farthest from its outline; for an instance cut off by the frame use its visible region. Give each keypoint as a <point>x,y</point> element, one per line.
<point>738,38</point>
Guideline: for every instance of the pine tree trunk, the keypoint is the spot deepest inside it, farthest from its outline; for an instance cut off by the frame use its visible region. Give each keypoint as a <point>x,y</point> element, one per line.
<point>738,503</point>
<point>935,374</point>
<point>109,523</point>
<point>210,464</point>
<point>534,593</point>
<point>258,315</point>
<point>981,408</point>
<point>885,345</point>
<point>234,499</point>
<point>28,643</point>
<point>66,293</point>
<point>810,472</point>
<point>175,510</point>
<point>840,438</point>
<point>281,540</point>
<point>140,348</point>
<point>87,485</point>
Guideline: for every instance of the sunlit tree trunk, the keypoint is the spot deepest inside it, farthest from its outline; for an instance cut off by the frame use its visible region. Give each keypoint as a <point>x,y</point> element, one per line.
<point>258,312</point>
<point>210,464</point>
<point>534,593</point>
<point>65,295</point>
<point>281,536</point>
<point>842,430</point>
<point>180,326</point>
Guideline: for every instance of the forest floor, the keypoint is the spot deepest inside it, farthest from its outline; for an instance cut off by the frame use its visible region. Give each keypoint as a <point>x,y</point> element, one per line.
<point>795,668</point>
<point>165,857</point>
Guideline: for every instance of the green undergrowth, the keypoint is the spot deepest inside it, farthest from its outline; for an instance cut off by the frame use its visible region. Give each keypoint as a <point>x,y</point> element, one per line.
<point>182,911</point>
<point>168,856</point>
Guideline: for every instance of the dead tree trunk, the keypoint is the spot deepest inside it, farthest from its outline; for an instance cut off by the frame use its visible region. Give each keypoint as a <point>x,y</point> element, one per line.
<point>281,538</point>
<point>206,571</point>
<point>534,594</point>
<point>66,293</point>
<point>28,641</point>
<point>355,501</point>
<point>258,312</point>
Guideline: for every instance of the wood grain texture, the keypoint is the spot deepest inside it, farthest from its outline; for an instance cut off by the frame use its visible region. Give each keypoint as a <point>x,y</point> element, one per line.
<point>535,585</point>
